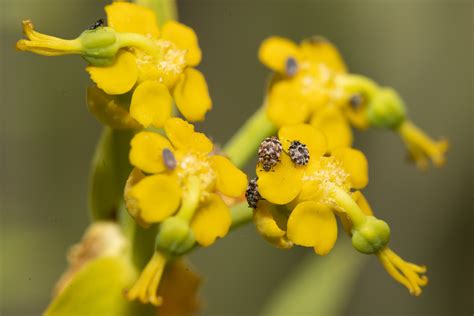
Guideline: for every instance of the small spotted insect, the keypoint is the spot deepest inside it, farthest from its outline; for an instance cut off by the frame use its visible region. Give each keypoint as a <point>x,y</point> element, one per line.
<point>169,159</point>
<point>269,152</point>
<point>97,24</point>
<point>299,153</point>
<point>251,194</point>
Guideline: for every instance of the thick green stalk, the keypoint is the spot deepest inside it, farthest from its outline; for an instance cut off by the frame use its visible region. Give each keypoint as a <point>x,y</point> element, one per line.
<point>241,214</point>
<point>165,10</point>
<point>243,145</point>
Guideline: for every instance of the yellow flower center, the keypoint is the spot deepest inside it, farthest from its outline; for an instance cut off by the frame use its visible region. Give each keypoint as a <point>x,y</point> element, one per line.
<point>165,67</point>
<point>328,174</point>
<point>196,165</point>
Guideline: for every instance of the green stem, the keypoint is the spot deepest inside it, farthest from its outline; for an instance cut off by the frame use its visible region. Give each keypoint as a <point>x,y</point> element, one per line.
<point>243,145</point>
<point>345,202</point>
<point>165,10</point>
<point>241,214</point>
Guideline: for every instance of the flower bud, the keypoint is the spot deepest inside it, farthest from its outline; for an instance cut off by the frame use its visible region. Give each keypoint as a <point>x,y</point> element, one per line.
<point>99,45</point>
<point>371,236</point>
<point>175,237</point>
<point>386,109</point>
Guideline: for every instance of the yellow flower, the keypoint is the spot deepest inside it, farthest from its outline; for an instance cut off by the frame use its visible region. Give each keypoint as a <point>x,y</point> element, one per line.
<point>133,55</point>
<point>312,85</point>
<point>181,173</point>
<point>179,183</point>
<point>302,188</point>
<point>306,189</point>
<point>306,87</point>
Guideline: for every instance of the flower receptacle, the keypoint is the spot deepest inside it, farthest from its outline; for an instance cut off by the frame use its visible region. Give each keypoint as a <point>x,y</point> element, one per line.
<point>175,237</point>
<point>370,236</point>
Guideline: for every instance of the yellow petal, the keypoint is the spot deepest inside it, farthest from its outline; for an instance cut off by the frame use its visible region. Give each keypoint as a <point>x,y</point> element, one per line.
<point>117,78</point>
<point>212,220</point>
<point>355,164</point>
<point>151,104</point>
<point>286,105</point>
<point>313,225</point>
<point>264,221</point>
<point>268,227</point>
<point>185,38</point>
<point>306,134</point>
<point>146,151</point>
<point>281,184</point>
<point>182,136</point>
<point>311,189</point>
<point>192,95</point>
<point>133,18</point>
<point>275,51</point>
<point>230,180</point>
<point>334,125</point>
<point>158,197</point>
<point>130,202</point>
<point>179,290</point>
<point>109,110</point>
<point>321,51</point>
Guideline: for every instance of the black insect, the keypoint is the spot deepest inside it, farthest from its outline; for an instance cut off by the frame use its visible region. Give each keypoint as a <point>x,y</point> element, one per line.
<point>299,153</point>
<point>97,24</point>
<point>169,159</point>
<point>269,152</point>
<point>252,194</point>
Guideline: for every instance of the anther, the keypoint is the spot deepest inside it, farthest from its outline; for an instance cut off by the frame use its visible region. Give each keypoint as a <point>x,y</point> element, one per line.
<point>169,159</point>
<point>291,66</point>
<point>356,100</point>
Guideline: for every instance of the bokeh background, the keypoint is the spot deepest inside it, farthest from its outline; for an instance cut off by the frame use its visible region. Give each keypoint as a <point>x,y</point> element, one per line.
<point>422,48</point>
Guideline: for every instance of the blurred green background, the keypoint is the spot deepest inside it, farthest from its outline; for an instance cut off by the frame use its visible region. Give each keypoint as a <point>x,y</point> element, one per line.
<point>422,48</point>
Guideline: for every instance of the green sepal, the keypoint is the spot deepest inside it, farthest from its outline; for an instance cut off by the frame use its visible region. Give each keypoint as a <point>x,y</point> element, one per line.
<point>175,237</point>
<point>109,172</point>
<point>386,109</point>
<point>98,289</point>
<point>371,236</point>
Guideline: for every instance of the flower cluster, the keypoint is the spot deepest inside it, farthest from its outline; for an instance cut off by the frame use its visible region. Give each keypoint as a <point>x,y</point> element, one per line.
<point>150,66</point>
<point>181,187</point>
<point>311,84</point>
<point>297,200</point>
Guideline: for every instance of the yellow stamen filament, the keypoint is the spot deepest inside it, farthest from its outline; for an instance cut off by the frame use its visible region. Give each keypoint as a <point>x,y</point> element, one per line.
<point>191,199</point>
<point>421,146</point>
<point>46,45</point>
<point>343,201</point>
<point>146,287</point>
<point>408,274</point>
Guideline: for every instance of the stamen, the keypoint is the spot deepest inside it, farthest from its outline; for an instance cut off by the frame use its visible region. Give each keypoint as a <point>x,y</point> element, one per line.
<point>169,159</point>
<point>146,287</point>
<point>291,67</point>
<point>406,273</point>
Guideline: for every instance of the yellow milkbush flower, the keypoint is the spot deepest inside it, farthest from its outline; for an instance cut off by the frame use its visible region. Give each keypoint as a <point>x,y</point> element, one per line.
<point>179,183</point>
<point>133,55</point>
<point>312,85</point>
<point>301,187</point>
<point>308,188</point>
